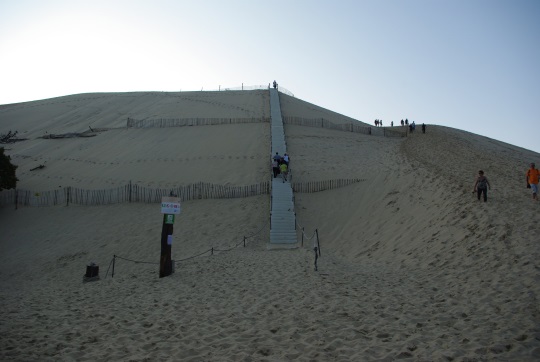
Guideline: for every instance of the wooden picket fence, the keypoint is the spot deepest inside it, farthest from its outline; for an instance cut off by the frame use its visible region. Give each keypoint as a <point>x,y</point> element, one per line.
<point>298,121</point>
<point>317,186</point>
<point>128,193</point>
<point>140,194</point>
<point>346,127</point>
<point>183,122</point>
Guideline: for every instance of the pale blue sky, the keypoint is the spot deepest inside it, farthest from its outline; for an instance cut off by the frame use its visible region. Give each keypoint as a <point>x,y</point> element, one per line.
<point>468,64</point>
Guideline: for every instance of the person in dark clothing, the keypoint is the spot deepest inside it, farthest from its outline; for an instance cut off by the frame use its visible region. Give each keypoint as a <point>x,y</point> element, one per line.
<point>423,128</point>
<point>481,185</point>
<point>275,168</point>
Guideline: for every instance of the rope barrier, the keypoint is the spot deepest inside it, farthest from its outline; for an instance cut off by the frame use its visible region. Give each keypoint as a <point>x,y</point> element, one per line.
<point>316,248</point>
<point>194,256</point>
<point>258,232</point>
<point>136,261</point>
<point>211,250</point>
<point>316,243</point>
<point>303,233</point>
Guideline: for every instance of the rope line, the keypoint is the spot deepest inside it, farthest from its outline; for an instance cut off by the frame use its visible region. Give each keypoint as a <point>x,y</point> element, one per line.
<point>303,233</point>
<point>194,256</point>
<point>136,261</point>
<point>211,250</point>
<point>258,232</point>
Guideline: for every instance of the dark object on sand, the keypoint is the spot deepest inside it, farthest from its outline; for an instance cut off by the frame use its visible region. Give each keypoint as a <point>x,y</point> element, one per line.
<point>92,273</point>
<point>10,137</point>
<point>37,168</point>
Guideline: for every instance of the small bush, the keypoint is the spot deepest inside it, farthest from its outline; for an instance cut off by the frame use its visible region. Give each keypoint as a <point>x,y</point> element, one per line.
<point>8,180</point>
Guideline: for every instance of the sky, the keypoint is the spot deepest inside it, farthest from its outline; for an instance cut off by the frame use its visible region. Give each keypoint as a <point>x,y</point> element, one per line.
<point>467,64</point>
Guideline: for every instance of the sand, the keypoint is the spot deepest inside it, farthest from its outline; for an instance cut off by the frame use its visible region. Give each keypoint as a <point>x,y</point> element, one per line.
<point>412,266</point>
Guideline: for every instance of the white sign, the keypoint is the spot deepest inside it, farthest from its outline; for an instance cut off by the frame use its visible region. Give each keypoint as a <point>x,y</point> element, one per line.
<point>170,205</point>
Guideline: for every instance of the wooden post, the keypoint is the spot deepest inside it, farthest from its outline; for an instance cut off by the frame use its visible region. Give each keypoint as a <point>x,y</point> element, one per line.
<point>318,244</point>
<point>316,257</point>
<point>170,206</point>
<point>165,263</point>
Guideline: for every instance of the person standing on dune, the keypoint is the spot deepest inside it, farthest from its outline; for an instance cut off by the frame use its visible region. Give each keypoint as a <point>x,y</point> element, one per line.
<point>481,185</point>
<point>533,174</point>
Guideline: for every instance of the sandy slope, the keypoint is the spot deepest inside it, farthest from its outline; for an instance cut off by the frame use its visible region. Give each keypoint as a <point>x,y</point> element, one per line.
<point>76,113</point>
<point>148,157</point>
<point>412,266</point>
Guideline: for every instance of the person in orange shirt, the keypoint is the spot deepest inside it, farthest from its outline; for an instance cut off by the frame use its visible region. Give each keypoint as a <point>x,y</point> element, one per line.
<point>533,174</point>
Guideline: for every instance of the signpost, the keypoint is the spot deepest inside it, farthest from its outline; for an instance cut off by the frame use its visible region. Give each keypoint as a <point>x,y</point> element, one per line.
<point>170,206</point>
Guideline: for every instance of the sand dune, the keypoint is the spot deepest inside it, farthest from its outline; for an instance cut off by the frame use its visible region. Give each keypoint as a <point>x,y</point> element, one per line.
<point>412,266</point>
